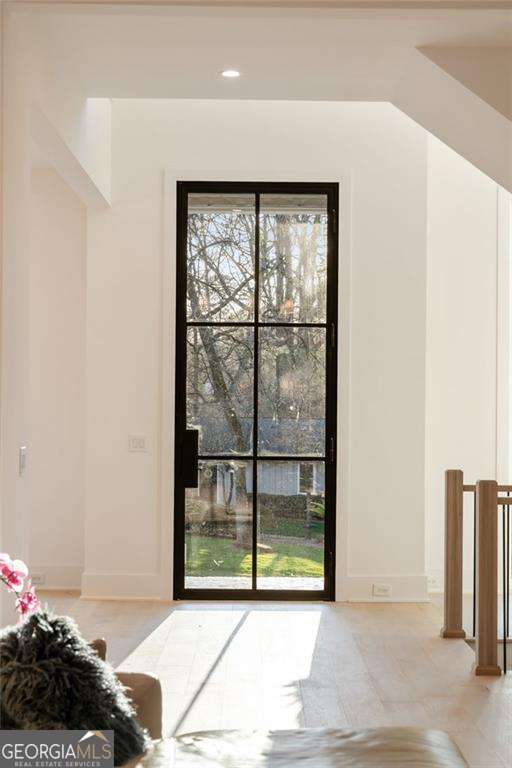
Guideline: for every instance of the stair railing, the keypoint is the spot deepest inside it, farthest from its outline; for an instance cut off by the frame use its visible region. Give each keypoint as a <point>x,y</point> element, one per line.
<point>487,503</point>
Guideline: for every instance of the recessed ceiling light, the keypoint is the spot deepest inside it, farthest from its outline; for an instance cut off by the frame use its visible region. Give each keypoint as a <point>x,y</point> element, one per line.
<point>231,73</point>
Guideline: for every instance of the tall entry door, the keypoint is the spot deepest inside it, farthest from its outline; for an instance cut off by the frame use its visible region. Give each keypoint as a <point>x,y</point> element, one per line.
<point>255,431</point>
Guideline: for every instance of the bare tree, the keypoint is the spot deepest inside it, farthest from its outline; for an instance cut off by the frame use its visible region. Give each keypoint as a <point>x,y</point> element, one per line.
<point>220,287</point>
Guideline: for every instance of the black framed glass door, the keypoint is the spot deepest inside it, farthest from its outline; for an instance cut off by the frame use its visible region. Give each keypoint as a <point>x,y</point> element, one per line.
<point>256,356</point>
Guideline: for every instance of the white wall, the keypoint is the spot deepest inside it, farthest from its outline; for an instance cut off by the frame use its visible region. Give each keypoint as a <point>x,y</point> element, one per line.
<point>462,316</point>
<point>380,157</point>
<point>57,380</point>
<point>15,299</point>
<point>84,126</point>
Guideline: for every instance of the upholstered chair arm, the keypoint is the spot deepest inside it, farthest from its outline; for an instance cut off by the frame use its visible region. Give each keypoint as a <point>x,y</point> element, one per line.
<point>144,691</point>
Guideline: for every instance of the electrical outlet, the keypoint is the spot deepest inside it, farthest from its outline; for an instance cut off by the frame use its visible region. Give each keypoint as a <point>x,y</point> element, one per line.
<point>137,443</point>
<point>433,583</point>
<point>38,579</point>
<point>381,590</point>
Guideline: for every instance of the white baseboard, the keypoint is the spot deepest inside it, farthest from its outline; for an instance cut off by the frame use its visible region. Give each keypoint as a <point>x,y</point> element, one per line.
<point>58,576</point>
<point>121,586</point>
<point>408,588</point>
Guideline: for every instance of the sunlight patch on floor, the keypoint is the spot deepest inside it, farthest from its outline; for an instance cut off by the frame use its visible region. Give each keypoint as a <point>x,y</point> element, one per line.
<point>286,665</point>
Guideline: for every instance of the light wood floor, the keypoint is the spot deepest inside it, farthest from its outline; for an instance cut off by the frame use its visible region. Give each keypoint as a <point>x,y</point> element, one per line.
<point>284,665</point>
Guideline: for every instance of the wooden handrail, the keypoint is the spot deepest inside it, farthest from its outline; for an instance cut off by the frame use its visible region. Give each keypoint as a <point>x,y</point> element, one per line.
<point>454,499</point>
<point>487,578</point>
<point>472,488</point>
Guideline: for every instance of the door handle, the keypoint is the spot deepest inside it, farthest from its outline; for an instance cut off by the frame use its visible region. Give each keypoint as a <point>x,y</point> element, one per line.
<point>189,459</point>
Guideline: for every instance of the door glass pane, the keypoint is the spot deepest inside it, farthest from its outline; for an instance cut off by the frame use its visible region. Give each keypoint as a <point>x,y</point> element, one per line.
<point>220,375</point>
<point>291,418</point>
<point>220,257</point>
<point>293,258</point>
<point>291,515</point>
<point>218,527</point>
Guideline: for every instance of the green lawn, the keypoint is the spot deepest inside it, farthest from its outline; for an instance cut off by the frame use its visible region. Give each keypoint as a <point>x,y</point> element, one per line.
<point>289,527</point>
<point>208,556</point>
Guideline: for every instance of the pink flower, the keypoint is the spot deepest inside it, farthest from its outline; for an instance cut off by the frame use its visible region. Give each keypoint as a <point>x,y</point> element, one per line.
<point>13,573</point>
<point>28,602</point>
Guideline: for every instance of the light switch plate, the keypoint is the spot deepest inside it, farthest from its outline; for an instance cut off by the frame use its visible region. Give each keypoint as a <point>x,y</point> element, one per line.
<point>137,443</point>
<point>22,460</point>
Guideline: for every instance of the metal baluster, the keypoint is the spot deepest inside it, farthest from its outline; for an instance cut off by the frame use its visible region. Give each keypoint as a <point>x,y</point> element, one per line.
<point>508,572</point>
<point>506,587</point>
<point>474,563</point>
<point>505,606</point>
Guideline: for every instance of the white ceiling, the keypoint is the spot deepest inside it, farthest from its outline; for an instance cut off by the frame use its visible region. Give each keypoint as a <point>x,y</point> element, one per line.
<point>170,52</point>
<point>447,69</point>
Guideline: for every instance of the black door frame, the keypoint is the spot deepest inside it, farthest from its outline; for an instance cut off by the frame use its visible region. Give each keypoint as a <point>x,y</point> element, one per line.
<point>331,190</point>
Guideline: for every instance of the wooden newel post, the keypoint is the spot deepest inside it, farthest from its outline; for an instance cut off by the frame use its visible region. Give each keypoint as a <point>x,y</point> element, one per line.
<point>487,578</point>
<point>453,501</point>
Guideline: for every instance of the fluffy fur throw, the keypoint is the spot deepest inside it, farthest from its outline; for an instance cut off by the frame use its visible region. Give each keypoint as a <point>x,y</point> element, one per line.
<point>51,679</point>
